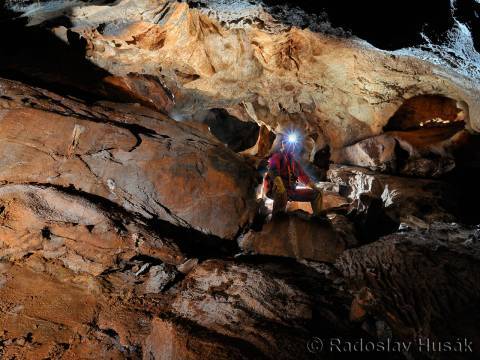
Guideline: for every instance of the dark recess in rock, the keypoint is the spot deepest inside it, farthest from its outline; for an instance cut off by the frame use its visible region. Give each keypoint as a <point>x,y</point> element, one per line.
<point>465,179</point>
<point>423,110</point>
<point>370,219</point>
<point>39,58</point>
<point>236,134</point>
<point>468,12</point>
<point>394,25</point>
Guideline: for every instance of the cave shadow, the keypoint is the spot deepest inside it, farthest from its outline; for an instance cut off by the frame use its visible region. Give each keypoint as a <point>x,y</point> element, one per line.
<point>465,179</point>
<point>238,135</point>
<point>34,55</point>
<point>386,25</point>
<point>37,57</point>
<point>330,300</point>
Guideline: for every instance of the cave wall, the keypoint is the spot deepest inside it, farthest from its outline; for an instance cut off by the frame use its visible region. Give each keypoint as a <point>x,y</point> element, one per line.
<point>248,62</point>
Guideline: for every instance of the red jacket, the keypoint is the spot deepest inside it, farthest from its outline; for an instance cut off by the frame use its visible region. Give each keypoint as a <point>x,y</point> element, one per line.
<point>283,164</point>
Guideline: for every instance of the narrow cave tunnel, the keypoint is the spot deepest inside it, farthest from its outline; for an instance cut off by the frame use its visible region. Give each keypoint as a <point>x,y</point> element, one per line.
<point>432,122</point>
<point>427,111</point>
<point>422,125</point>
<point>236,134</point>
<point>464,178</point>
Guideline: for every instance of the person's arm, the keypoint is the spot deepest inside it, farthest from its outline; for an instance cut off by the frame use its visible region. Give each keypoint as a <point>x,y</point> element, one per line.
<point>303,177</point>
<point>274,165</point>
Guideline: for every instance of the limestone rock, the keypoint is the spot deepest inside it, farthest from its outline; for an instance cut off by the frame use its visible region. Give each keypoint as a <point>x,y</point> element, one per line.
<point>427,152</point>
<point>376,153</point>
<point>297,236</point>
<point>265,307</point>
<point>416,280</point>
<point>55,313</point>
<point>182,340</point>
<point>114,216</point>
<point>268,69</point>
<point>69,228</point>
<point>154,167</point>
<point>159,277</point>
<point>146,90</point>
<point>430,200</point>
<point>221,309</point>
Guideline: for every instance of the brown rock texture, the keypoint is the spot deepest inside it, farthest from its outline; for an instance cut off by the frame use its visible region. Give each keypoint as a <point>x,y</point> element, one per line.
<point>94,266</point>
<point>71,229</point>
<point>261,70</point>
<point>254,309</point>
<point>415,279</point>
<point>146,165</point>
<point>297,236</point>
<point>423,152</point>
<point>427,199</point>
<point>130,226</point>
<point>376,153</point>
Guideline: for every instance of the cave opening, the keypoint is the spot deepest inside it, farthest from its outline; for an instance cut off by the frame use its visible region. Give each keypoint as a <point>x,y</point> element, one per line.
<point>424,127</point>
<point>236,134</point>
<point>427,112</point>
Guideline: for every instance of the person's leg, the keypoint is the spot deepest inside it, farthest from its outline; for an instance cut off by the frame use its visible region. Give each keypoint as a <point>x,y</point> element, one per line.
<point>280,196</point>
<point>317,204</point>
<point>311,195</point>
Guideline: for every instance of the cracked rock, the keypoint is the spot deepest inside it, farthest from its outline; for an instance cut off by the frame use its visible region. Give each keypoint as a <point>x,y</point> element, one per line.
<point>159,277</point>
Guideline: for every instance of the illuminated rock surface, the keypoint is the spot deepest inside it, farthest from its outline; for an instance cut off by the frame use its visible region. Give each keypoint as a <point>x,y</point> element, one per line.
<point>133,139</point>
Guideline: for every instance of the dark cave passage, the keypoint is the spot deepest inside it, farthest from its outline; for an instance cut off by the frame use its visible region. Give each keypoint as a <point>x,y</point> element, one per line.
<point>426,111</point>
<point>425,127</point>
<point>236,134</point>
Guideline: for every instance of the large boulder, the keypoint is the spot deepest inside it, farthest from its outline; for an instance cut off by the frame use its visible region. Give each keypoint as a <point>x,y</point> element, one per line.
<point>430,200</point>
<point>299,236</point>
<point>376,153</point>
<point>148,164</point>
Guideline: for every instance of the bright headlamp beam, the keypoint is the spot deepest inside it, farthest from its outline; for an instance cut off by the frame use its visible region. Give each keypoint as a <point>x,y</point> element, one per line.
<point>292,138</point>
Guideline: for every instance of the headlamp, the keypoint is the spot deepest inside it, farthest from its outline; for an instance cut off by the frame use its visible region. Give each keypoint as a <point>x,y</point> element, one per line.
<point>292,138</point>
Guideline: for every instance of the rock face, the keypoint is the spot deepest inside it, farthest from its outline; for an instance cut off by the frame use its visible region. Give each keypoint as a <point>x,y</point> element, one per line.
<point>425,152</point>
<point>299,237</point>
<point>129,223</point>
<point>147,165</point>
<point>376,153</point>
<point>257,68</point>
<point>252,310</point>
<point>414,279</point>
<point>430,200</point>
<point>221,310</point>
<point>58,225</point>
